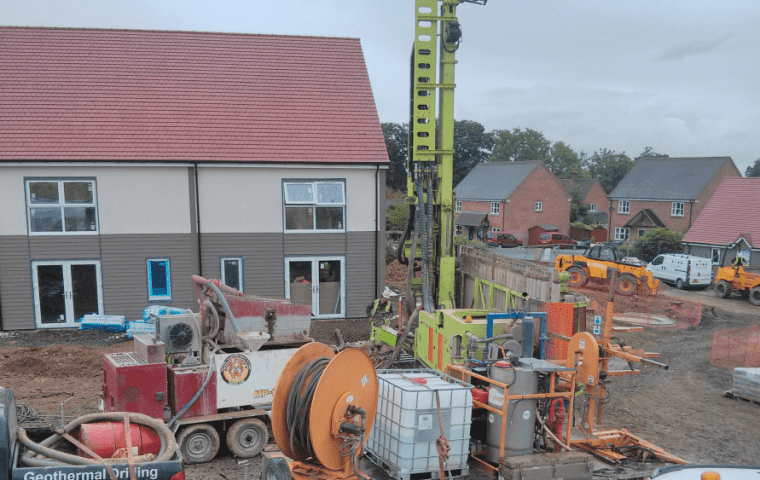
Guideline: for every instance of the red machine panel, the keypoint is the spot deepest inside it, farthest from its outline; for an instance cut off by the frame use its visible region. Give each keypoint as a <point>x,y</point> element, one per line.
<point>132,385</point>
<point>185,383</point>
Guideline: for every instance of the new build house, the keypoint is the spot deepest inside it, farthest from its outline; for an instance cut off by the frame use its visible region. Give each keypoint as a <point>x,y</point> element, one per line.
<point>131,160</point>
<point>665,192</point>
<point>511,197</point>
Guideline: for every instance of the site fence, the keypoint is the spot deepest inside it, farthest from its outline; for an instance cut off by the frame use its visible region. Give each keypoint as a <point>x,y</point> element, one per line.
<point>736,347</point>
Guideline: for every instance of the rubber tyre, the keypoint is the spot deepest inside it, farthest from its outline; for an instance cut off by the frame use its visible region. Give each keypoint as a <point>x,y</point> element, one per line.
<point>626,285</point>
<point>723,289</point>
<point>679,284</point>
<point>276,469</point>
<point>198,443</point>
<point>754,296</point>
<point>578,277</point>
<point>247,437</point>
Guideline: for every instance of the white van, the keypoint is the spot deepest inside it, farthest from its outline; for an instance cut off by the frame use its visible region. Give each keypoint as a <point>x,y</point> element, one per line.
<point>682,270</point>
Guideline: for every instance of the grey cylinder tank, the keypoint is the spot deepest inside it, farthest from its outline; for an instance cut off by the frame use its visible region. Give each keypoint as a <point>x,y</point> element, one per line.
<point>521,414</point>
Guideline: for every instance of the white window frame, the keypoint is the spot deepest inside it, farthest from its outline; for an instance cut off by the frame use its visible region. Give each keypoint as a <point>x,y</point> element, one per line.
<point>61,205</point>
<point>458,206</point>
<point>156,297</point>
<point>493,229</point>
<point>676,209</point>
<point>494,208</point>
<point>713,252</point>
<point>314,204</point>
<point>458,231</point>
<point>222,275</point>
<point>539,206</point>
<point>624,207</point>
<point>622,233</point>
<point>592,207</point>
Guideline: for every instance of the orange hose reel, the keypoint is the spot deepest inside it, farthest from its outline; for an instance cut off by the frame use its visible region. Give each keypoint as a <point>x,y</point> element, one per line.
<point>349,379</point>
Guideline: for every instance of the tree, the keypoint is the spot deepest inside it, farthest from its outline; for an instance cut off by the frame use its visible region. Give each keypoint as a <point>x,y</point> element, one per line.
<point>578,208</point>
<point>657,241</point>
<point>396,214</point>
<point>564,161</point>
<point>753,170</point>
<point>518,145</point>
<point>472,145</point>
<point>396,138</point>
<point>649,152</point>
<point>608,167</point>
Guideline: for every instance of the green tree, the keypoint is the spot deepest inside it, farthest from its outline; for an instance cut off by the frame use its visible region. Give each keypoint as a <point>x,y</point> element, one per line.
<point>396,138</point>
<point>518,145</point>
<point>657,241</point>
<point>753,170</point>
<point>578,208</point>
<point>396,214</point>
<point>609,167</point>
<point>649,152</point>
<point>472,145</point>
<point>564,161</point>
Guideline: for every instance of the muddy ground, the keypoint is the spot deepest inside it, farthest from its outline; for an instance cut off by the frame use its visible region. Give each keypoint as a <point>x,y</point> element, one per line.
<point>681,409</point>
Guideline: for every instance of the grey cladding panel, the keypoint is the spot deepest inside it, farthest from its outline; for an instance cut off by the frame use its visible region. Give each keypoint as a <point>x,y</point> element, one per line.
<point>16,284</point>
<point>315,244</point>
<point>64,247</point>
<point>124,266</point>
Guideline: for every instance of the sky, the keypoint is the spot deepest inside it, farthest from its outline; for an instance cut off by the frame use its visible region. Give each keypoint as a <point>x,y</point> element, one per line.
<point>679,76</point>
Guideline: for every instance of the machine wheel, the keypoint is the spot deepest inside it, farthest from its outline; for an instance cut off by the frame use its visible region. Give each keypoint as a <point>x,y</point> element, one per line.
<point>246,438</point>
<point>578,277</point>
<point>276,469</point>
<point>626,285</point>
<point>679,284</point>
<point>198,443</point>
<point>754,296</point>
<point>723,289</point>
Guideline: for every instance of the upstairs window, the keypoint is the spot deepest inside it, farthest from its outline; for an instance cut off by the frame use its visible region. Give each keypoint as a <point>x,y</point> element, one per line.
<point>592,207</point>
<point>539,206</point>
<point>676,209</point>
<point>494,208</point>
<point>624,206</point>
<point>458,207</point>
<point>65,207</point>
<point>315,206</point>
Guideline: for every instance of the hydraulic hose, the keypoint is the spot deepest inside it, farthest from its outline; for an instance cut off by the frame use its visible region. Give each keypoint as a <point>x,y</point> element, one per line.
<point>54,457</point>
<point>422,227</point>
<point>209,306</point>
<point>407,231</point>
<point>298,407</point>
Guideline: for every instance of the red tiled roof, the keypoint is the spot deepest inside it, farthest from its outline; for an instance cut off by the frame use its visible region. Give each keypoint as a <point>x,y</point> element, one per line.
<point>122,95</point>
<point>731,213</point>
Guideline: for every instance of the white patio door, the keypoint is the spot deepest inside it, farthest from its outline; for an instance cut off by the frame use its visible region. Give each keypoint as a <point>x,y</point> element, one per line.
<point>65,291</point>
<point>319,282</point>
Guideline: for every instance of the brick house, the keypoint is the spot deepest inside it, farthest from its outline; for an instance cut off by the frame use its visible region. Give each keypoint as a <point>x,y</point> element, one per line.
<point>516,196</point>
<point>593,194</point>
<point>663,191</point>
<point>131,160</point>
<point>729,224</point>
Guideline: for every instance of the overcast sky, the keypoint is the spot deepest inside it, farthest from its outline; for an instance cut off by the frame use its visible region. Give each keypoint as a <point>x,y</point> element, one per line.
<point>679,76</point>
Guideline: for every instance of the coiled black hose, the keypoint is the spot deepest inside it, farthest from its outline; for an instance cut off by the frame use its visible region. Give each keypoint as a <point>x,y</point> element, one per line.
<point>298,406</point>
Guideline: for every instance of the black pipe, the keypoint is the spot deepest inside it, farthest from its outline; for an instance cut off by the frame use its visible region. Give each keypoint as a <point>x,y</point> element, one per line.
<point>377,228</point>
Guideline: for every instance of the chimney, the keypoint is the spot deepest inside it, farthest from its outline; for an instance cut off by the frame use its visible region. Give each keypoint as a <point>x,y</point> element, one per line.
<point>574,175</point>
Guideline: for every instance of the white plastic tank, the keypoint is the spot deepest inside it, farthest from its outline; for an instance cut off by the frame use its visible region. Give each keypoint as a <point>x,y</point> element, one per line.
<point>406,425</point>
<point>521,414</point>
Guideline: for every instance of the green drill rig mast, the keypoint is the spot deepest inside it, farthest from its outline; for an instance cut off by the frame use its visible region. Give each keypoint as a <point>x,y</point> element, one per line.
<point>431,149</point>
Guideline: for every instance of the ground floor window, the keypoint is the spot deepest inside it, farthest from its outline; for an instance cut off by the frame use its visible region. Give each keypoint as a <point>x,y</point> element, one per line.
<point>159,280</point>
<point>715,256</point>
<point>65,291</point>
<point>642,231</point>
<point>622,233</point>
<point>459,231</point>
<point>231,272</point>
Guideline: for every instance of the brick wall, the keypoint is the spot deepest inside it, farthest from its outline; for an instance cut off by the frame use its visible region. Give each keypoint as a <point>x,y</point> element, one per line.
<point>596,194</point>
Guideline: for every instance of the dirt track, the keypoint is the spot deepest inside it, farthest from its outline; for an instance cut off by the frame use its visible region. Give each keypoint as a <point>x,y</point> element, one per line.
<point>681,409</point>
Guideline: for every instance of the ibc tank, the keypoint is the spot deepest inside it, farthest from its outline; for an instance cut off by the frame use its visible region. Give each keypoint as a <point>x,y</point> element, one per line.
<point>521,414</point>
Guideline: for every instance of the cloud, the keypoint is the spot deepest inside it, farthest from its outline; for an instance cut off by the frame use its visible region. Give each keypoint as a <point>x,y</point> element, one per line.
<point>699,47</point>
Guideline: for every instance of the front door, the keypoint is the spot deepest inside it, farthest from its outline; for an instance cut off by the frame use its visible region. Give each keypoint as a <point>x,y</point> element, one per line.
<point>319,282</point>
<point>65,291</point>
